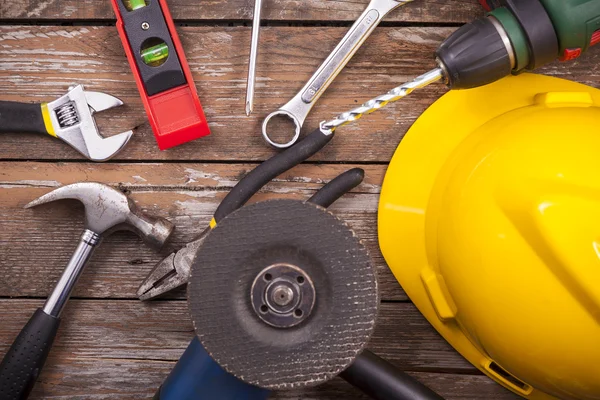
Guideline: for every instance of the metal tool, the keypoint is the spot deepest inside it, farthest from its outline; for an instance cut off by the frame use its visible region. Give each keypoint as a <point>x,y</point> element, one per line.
<point>253,55</point>
<point>515,36</point>
<point>70,118</point>
<point>269,299</point>
<point>298,107</point>
<point>106,210</point>
<point>161,71</point>
<point>174,270</point>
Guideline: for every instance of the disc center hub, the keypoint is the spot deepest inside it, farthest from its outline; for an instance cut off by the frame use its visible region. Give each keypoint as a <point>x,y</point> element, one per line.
<point>283,295</point>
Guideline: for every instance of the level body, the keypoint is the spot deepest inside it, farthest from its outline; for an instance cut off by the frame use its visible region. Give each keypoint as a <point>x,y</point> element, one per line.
<point>161,72</point>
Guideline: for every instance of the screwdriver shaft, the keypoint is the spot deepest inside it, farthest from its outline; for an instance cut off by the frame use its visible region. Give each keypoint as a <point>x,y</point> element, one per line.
<point>379,102</point>
<point>253,55</point>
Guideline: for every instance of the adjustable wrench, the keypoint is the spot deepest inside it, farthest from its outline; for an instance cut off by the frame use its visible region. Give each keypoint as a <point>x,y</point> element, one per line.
<point>69,118</point>
<point>298,108</point>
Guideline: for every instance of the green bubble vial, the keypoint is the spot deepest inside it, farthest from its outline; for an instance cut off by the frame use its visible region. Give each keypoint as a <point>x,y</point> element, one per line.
<point>134,4</point>
<point>155,55</point>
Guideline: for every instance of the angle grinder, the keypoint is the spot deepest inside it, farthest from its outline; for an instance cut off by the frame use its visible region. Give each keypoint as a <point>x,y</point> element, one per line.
<point>283,295</point>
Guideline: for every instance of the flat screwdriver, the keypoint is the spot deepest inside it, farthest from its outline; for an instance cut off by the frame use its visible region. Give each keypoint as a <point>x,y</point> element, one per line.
<point>514,36</point>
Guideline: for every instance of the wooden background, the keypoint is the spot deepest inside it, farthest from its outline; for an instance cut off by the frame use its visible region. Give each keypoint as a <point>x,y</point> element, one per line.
<point>112,346</point>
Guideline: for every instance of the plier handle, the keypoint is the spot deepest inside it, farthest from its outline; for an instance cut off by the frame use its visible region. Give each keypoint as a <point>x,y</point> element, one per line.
<point>174,270</point>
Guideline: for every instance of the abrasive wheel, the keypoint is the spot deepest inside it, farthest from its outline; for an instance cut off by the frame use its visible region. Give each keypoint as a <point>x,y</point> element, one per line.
<point>283,295</point>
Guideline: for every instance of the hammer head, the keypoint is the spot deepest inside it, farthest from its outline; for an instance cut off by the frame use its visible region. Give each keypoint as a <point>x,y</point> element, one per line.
<point>107,210</point>
<point>73,122</point>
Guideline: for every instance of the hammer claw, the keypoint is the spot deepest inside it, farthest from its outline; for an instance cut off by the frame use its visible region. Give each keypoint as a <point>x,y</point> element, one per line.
<point>64,192</point>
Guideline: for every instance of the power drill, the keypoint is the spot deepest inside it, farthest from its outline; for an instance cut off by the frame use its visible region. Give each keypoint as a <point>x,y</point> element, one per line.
<point>516,36</point>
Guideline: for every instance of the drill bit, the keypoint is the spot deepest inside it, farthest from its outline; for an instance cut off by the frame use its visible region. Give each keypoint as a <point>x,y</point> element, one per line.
<point>379,102</point>
<point>253,55</point>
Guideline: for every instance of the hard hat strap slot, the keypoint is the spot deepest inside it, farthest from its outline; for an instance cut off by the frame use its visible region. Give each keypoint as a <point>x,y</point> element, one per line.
<point>510,379</point>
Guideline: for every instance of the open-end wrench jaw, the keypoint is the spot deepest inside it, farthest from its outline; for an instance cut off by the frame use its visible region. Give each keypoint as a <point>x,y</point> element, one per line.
<point>72,121</point>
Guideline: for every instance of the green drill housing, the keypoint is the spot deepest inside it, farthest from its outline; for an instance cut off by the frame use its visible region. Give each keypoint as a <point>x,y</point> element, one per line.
<point>577,23</point>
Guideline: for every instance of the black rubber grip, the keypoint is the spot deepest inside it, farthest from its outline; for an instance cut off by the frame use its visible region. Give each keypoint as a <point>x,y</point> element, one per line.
<point>26,357</point>
<point>21,118</point>
<point>381,380</point>
<point>338,187</point>
<point>268,170</point>
<point>537,25</point>
<point>474,55</point>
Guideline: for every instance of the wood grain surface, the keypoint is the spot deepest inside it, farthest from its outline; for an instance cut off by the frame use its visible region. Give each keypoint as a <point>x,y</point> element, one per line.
<point>112,346</point>
<point>421,11</point>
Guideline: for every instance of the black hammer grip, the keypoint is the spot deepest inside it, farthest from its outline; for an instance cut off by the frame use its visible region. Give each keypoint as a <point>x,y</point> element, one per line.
<point>337,187</point>
<point>21,118</point>
<point>26,357</point>
<point>381,380</point>
<point>265,172</point>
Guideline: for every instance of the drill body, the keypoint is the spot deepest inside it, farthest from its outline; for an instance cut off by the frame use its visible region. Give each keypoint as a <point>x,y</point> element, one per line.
<point>516,36</point>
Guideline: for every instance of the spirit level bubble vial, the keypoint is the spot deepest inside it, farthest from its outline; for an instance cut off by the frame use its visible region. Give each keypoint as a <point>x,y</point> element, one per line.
<point>161,71</point>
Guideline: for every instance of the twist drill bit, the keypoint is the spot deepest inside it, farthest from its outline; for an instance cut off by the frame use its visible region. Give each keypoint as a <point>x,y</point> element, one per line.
<point>379,102</point>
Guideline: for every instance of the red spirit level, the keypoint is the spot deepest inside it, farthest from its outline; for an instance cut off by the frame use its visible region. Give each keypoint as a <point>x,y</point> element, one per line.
<point>161,71</point>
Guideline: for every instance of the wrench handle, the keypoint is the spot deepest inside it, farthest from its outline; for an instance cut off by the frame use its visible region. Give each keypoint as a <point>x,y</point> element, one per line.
<point>24,360</point>
<point>21,118</point>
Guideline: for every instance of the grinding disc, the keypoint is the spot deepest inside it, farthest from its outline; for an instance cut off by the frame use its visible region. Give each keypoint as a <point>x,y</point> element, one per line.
<point>282,239</point>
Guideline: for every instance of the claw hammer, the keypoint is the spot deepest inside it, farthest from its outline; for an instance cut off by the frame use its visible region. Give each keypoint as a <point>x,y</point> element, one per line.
<point>106,210</point>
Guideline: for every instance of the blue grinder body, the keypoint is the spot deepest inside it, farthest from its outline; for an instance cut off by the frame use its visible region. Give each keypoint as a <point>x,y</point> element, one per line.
<point>197,376</point>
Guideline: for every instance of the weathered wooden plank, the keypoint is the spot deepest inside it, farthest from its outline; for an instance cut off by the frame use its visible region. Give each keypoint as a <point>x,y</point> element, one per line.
<point>84,379</point>
<point>35,245</point>
<point>421,11</point>
<point>39,63</point>
<point>218,57</point>
<point>126,348</point>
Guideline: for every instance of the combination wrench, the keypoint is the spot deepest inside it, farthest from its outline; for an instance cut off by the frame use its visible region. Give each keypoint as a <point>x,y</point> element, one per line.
<point>298,107</point>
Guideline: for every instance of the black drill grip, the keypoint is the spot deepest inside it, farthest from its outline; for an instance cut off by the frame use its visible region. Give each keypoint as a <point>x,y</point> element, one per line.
<point>21,118</point>
<point>270,169</point>
<point>337,187</point>
<point>381,380</point>
<point>474,55</point>
<point>26,357</point>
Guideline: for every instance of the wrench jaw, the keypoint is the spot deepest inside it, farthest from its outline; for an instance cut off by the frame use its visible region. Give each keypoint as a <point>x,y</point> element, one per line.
<point>73,122</point>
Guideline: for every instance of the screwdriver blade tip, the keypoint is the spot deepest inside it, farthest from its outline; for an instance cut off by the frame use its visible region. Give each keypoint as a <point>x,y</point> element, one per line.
<point>248,108</point>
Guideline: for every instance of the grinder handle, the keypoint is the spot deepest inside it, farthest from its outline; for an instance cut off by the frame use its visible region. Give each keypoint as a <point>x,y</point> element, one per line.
<point>381,380</point>
<point>26,357</point>
<point>270,169</point>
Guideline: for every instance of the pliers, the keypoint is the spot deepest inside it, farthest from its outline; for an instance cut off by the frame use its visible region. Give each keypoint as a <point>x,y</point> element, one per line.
<point>69,118</point>
<point>174,270</point>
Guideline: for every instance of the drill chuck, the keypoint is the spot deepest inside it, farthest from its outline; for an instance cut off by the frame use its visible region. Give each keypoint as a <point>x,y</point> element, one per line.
<point>476,54</point>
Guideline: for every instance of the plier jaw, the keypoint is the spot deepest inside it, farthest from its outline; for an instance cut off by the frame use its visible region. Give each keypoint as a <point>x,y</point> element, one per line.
<point>173,271</point>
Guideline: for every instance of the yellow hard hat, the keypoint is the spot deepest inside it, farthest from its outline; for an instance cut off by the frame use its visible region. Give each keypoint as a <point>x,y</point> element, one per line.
<point>490,220</point>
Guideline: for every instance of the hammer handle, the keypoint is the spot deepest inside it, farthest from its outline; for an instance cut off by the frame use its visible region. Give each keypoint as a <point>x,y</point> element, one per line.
<point>21,118</point>
<point>26,357</point>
